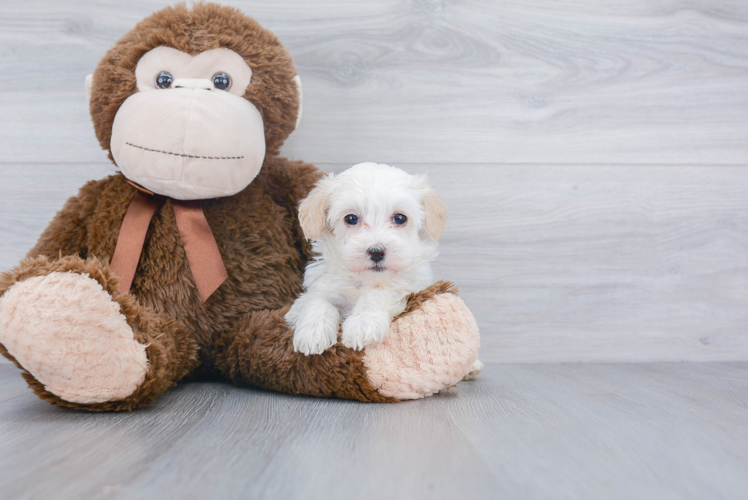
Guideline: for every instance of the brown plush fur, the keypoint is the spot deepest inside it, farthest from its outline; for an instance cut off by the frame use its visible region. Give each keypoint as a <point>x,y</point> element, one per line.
<point>239,332</point>
<point>260,352</point>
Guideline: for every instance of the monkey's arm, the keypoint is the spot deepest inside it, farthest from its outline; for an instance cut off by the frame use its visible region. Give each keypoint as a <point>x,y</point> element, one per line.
<point>431,346</point>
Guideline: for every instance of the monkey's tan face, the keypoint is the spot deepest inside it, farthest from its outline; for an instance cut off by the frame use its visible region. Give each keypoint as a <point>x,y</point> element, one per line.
<point>188,133</point>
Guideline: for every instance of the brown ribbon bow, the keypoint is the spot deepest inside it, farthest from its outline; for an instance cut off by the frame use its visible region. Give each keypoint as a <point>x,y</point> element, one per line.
<point>200,245</point>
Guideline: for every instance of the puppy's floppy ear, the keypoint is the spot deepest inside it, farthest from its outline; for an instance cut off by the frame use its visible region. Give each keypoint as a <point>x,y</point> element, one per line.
<point>436,214</point>
<point>313,209</point>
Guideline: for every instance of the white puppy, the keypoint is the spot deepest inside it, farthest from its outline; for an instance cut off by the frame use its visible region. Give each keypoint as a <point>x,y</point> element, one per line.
<point>374,230</point>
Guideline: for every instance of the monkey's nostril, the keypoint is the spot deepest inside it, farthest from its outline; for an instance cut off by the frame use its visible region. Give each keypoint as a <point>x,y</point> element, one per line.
<point>376,254</point>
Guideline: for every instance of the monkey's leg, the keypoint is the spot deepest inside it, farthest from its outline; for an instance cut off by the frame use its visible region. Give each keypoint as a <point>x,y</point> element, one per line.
<point>431,346</point>
<point>84,345</point>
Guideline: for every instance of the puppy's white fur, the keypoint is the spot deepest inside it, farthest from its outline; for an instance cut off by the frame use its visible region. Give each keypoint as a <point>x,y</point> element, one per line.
<point>344,281</point>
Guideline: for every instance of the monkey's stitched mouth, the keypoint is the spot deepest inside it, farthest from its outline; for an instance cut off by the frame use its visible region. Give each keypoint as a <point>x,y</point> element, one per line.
<point>184,155</point>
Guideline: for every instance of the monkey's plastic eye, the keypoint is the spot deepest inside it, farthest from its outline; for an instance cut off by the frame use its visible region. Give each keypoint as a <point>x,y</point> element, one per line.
<point>222,81</point>
<point>351,219</point>
<point>164,80</point>
<point>399,219</point>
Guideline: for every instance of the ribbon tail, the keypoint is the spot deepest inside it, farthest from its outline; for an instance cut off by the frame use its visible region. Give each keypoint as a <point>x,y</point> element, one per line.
<point>201,248</point>
<point>131,238</point>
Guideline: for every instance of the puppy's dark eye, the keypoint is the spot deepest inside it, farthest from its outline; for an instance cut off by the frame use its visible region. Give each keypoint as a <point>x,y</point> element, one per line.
<point>399,219</point>
<point>164,80</point>
<point>222,81</point>
<point>351,219</point>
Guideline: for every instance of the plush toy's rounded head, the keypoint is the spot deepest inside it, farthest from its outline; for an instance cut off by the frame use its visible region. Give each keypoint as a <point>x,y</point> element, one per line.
<point>189,102</point>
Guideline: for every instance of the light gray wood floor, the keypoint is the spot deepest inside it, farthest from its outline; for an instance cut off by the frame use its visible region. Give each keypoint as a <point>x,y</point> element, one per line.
<point>614,431</point>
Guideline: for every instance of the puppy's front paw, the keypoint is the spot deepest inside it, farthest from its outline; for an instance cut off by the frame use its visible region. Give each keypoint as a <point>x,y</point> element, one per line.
<point>316,329</point>
<point>360,330</point>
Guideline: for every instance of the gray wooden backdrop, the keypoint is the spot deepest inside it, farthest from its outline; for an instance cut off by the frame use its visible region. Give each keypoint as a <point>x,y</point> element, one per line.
<point>593,154</point>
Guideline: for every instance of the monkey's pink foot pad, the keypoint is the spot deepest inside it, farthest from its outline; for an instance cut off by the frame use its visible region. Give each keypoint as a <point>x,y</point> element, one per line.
<point>425,351</point>
<point>66,331</point>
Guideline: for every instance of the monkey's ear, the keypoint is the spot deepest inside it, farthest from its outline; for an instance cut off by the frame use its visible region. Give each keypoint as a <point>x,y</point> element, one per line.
<point>313,209</point>
<point>89,84</point>
<point>436,214</point>
<point>297,81</point>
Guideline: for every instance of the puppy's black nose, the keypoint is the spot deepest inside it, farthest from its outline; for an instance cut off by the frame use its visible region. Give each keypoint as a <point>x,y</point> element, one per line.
<point>376,254</point>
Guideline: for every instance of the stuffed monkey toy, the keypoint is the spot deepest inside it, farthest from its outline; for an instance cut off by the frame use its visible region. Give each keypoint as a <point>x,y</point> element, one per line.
<point>184,263</point>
